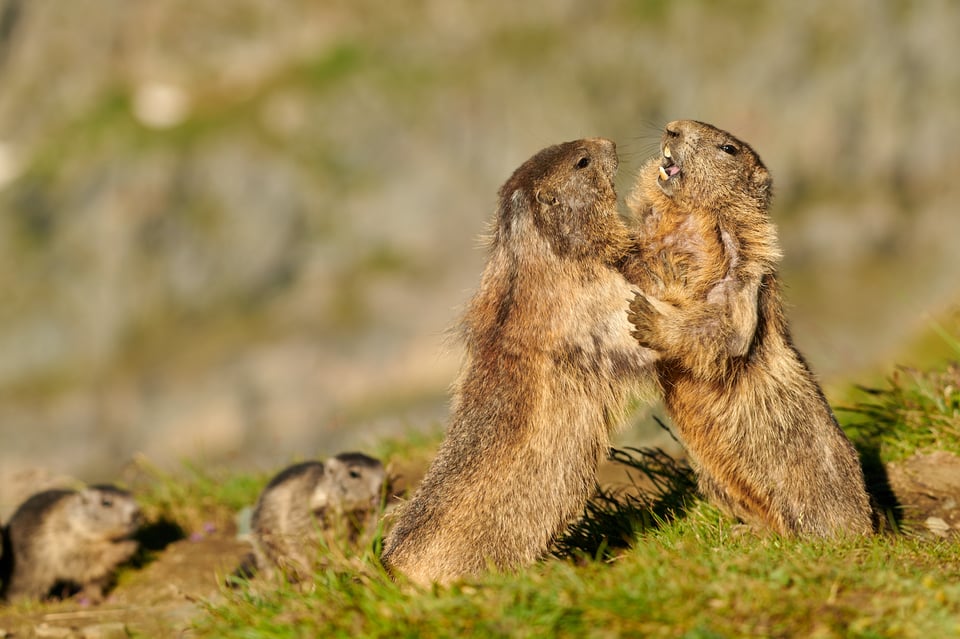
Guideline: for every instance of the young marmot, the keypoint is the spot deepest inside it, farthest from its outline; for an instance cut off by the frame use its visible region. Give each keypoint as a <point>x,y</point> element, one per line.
<point>73,539</point>
<point>308,499</point>
<point>549,365</point>
<point>765,442</point>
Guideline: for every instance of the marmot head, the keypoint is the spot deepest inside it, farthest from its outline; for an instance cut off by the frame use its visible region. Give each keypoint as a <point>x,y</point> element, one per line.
<point>353,482</point>
<point>705,167</point>
<point>566,194</point>
<point>105,512</point>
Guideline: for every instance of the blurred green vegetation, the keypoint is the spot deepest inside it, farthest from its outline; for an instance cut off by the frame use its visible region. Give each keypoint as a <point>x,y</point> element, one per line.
<point>233,230</point>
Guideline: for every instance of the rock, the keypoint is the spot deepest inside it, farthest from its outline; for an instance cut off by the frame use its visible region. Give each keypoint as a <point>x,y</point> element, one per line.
<point>243,518</point>
<point>927,487</point>
<point>46,631</point>
<point>937,526</point>
<point>114,630</point>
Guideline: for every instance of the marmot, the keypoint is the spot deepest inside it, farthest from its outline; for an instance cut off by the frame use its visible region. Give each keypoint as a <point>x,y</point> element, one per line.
<point>304,500</point>
<point>764,440</point>
<point>549,365</point>
<point>70,538</point>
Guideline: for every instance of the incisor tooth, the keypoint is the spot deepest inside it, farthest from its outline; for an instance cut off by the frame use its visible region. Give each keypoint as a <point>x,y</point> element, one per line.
<point>663,174</point>
<point>666,152</point>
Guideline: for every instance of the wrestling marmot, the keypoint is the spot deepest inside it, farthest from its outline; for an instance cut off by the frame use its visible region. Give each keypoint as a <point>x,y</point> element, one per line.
<point>549,365</point>
<point>74,539</point>
<point>764,440</point>
<point>306,500</point>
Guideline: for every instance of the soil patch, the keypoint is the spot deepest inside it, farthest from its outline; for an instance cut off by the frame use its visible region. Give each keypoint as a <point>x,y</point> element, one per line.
<point>158,601</point>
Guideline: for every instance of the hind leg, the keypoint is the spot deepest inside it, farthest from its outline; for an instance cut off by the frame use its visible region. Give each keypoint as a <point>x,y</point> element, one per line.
<point>743,504</point>
<point>716,494</point>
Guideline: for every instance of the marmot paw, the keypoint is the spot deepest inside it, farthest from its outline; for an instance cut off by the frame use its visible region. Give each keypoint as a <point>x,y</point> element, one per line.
<point>643,317</point>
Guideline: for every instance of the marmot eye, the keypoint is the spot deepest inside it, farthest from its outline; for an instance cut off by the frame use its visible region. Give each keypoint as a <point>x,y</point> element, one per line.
<point>583,163</point>
<point>728,148</point>
<point>355,474</point>
<point>106,502</point>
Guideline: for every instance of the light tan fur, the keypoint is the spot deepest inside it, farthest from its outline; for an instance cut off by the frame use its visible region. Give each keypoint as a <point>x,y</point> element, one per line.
<point>549,365</point>
<point>765,443</point>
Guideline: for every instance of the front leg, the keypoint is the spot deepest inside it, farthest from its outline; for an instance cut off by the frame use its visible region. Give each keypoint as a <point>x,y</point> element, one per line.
<point>121,551</point>
<point>652,309</point>
<point>694,335</point>
<point>737,301</point>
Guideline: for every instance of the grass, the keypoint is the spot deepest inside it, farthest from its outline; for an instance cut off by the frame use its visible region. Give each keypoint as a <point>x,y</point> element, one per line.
<point>651,560</point>
<point>914,411</point>
<point>661,490</point>
<point>692,577</point>
<point>175,505</point>
<point>656,561</point>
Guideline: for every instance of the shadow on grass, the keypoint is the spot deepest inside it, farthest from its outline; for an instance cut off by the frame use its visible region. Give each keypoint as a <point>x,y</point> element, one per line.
<point>661,489</point>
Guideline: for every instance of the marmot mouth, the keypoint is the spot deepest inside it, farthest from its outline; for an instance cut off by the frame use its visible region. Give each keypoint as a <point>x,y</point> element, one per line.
<point>668,169</point>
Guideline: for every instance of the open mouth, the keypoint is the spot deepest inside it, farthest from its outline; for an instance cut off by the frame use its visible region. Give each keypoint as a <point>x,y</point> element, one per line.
<point>668,169</point>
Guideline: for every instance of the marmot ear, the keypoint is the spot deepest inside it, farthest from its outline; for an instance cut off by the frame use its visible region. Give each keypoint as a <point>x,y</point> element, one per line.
<point>548,197</point>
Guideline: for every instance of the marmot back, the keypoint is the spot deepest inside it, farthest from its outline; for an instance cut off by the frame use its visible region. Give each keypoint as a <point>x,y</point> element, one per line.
<point>70,538</point>
<point>549,366</point>
<point>765,442</point>
<point>309,499</point>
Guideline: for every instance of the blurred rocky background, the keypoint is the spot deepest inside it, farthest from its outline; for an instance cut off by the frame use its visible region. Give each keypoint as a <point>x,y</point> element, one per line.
<point>238,232</point>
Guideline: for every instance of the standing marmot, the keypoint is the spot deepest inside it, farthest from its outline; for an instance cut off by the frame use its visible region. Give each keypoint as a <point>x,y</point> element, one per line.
<point>549,364</point>
<point>306,499</point>
<point>766,444</point>
<point>70,538</point>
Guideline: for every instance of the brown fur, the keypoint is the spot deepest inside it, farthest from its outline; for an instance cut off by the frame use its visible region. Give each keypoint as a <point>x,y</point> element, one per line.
<point>549,364</point>
<point>70,538</point>
<point>309,499</point>
<point>766,444</point>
